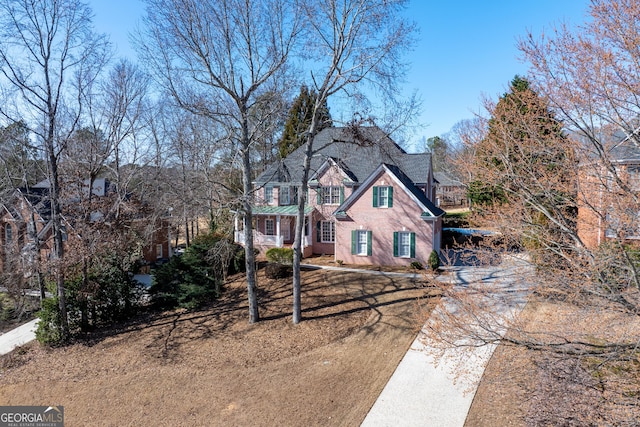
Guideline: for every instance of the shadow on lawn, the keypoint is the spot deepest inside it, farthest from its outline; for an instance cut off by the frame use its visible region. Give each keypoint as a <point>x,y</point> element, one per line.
<point>325,295</point>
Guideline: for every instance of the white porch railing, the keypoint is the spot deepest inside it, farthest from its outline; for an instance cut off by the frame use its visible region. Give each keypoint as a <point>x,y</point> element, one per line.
<point>266,240</point>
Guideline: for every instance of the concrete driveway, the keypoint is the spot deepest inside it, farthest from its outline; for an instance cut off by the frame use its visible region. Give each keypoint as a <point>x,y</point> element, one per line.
<point>424,389</point>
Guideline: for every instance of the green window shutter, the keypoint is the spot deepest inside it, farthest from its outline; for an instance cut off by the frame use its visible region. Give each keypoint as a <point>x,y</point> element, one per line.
<point>368,243</point>
<point>395,243</point>
<point>390,192</point>
<point>341,195</point>
<point>318,232</point>
<point>375,197</point>
<point>318,196</point>
<point>413,245</point>
<point>354,237</point>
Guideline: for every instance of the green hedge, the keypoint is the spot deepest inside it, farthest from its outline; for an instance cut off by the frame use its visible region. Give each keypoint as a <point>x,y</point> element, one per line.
<point>280,255</point>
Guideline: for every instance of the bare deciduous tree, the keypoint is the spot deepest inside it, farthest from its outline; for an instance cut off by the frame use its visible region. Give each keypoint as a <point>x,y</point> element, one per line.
<point>570,201</point>
<point>216,58</point>
<point>48,55</point>
<point>352,43</point>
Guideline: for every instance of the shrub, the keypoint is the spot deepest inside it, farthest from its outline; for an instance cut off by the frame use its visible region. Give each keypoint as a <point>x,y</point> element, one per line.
<point>280,255</point>
<point>106,294</point>
<point>7,307</point>
<point>49,330</point>
<point>184,282</point>
<point>196,278</point>
<point>416,265</point>
<point>434,260</point>
<point>277,271</point>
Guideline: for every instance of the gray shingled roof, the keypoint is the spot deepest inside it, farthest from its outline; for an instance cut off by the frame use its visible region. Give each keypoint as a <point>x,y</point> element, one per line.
<point>360,151</point>
<point>447,180</point>
<point>436,211</point>
<point>627,149</point>
<point>622,146</point>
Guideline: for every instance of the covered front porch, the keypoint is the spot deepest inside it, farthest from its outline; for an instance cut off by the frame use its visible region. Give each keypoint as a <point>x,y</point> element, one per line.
<point>274,226</point>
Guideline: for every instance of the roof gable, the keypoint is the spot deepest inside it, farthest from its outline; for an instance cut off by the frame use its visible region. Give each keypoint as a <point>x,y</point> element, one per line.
<point>327,165</point>
<point>429,210</point>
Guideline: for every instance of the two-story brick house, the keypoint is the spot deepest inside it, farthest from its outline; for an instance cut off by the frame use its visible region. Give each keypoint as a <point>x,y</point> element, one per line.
<point>369,201</point>
<point>26,234</point>
<point>605,209</point>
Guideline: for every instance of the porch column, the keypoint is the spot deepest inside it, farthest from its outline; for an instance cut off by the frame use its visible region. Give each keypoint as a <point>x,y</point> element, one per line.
<point>236,232</point>
<point>306,238</point>
<point>278,237</point>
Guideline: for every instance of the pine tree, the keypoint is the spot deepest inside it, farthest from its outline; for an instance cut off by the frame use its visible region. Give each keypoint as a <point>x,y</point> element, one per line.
<point>524,139</point>
<point>299,120</point>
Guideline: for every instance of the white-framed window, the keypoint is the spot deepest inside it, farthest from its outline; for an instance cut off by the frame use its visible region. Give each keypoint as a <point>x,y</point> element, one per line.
<point>287,195</point>
<point>330,195</point>
<point>361,242</point>
<point>328,231</point>
<point>382,197</point>
<point>404,244</point>
<point>159,250</point>
<point>269,227</point>
<point>8,234</point>
<point>268,194</point>
<point>284,197</point>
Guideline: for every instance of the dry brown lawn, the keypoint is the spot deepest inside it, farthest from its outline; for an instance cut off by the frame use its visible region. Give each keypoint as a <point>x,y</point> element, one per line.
<point>212,368</point>
<point>526,387</point>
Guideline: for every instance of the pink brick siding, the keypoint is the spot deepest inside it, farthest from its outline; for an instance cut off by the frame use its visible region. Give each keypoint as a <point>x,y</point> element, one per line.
<point>404,215</point>
<point>332,177</point>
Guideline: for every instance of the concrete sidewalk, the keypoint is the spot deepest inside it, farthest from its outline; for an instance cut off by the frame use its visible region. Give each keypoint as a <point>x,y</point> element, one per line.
<point>26,332</point>
<point>18,336</point>
<point>423,391</point>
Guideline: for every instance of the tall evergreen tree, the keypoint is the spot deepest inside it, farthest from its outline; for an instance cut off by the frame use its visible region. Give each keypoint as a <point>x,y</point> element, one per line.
<point>299,121</point>
<point>524,138</point>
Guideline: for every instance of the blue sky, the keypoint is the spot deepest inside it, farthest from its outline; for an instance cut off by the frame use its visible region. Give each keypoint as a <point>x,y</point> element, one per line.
<point>466,48</point>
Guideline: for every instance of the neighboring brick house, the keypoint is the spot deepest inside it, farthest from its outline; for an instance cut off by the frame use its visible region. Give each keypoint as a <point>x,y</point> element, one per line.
<point>450,192</point>
<point>369,201</point>
<point>604,212</point>
<point>26,228</point>
<point>24,217</point>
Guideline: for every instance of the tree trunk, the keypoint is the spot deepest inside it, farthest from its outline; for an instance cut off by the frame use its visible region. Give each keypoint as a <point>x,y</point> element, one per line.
<point>299,232</point>
<point>250,257</point>
<point>36,253</point>
<point>58,248</point>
